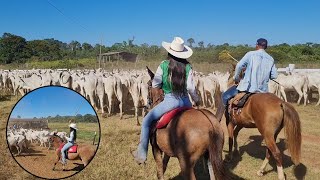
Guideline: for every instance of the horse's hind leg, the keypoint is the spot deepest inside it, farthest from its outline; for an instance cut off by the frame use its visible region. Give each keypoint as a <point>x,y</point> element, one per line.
<point>157,155</point>
<point>187,167</point>
<point>271,144</point>
<point>165,161</point>
<point>261,171</point>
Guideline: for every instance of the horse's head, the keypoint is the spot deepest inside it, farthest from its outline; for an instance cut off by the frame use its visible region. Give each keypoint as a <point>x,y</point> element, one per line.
<point>155,95</point>
<point>55,138</point>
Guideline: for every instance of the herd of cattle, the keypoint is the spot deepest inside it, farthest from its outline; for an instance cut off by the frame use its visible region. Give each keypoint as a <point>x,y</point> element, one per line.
<point>21,138</point>
<point>106,89</point>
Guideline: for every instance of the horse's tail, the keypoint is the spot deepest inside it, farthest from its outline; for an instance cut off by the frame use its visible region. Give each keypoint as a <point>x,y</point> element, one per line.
<point>216,146</point>
<point>292,128</point>
<point>215,154</point>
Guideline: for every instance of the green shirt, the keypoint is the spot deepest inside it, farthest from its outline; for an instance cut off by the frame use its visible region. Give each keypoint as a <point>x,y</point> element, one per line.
<point>166,85</point>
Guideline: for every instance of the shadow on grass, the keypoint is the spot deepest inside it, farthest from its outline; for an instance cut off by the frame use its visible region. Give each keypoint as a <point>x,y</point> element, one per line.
<point>202,173</point>
<point>27,152</point>
<point>5,97</point>
<point>77,168</point>
<point>258,151</point>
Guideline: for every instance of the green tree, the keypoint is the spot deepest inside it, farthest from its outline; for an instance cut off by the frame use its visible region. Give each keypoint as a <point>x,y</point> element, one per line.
<point>13,48</point>
<point>190,41</point>
<point>201,44</point>
<point>87,46</point>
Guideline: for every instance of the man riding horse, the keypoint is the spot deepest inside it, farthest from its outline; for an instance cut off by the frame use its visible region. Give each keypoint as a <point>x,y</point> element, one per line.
<point>253,107</point>
<point>259,68</point>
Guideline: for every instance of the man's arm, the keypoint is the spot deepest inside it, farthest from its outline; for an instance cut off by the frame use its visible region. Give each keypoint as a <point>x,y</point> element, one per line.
<point>274,72</point>
<point>241,64</point>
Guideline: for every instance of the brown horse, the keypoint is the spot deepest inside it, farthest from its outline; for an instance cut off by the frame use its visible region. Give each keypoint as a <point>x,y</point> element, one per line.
<point>269,114</point>
<point>84,152</point>
<point>188,136</point>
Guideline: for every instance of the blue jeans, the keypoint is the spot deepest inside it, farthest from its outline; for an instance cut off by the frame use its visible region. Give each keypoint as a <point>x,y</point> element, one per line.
<point>65,148</point>
<point>170,102</point>
<point>231,92</point>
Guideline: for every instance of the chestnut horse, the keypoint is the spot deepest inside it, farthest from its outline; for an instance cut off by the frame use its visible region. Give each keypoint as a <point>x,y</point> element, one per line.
<point>84,152</point>
<point>269,114</point>
<point>189,135</point>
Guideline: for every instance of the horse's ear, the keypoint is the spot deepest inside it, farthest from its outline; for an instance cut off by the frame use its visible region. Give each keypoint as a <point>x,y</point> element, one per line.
<point>151,74</point>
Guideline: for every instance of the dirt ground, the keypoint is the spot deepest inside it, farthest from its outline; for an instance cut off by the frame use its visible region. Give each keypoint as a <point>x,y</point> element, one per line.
<point>42,162</point>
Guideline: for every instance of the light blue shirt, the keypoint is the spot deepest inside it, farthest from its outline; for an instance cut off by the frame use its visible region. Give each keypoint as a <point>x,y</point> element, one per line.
<point>260,68</point>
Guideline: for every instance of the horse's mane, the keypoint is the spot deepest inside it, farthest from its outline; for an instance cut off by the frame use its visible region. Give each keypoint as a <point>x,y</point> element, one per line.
<point>58,137</point>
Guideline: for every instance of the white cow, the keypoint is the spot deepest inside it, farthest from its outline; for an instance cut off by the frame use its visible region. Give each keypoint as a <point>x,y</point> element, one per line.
<point>296,82</point>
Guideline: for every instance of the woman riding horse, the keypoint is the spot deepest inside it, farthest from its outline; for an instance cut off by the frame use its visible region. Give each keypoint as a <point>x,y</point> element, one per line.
<point>175,77</point>
<point>71,140</point>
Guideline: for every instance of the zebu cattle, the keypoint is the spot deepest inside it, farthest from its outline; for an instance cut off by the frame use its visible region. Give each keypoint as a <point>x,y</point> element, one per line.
<point>113,89</point>
<point>65,79</point>
<point>296,82</point>
<point>314,82</point>
<point>18,141</point>
<point>130,86</point>
<point>90,85</point>
<point>222,79</point>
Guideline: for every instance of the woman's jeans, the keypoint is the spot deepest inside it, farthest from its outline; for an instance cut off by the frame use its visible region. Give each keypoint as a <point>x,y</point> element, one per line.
<point>63,151</point>
<point>231,92</point>
<point>170,102</point>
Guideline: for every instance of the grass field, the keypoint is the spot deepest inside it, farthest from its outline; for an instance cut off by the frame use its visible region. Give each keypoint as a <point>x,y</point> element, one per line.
<point>85,130</point>
<point>113,159</point>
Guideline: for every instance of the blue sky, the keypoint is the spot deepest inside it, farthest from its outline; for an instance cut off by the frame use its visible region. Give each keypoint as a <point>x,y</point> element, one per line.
<point>212,21</point>
<point>50,101</point>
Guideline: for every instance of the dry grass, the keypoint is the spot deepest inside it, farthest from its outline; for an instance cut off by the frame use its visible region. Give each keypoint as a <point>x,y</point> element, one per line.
<point>113,159</point>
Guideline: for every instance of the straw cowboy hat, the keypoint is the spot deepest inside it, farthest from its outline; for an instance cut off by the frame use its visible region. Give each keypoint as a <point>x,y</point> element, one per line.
<point>177,48</point>
<point>73,126</point>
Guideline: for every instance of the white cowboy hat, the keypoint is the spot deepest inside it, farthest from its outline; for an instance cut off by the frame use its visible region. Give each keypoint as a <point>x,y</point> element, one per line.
<point>177,48</point>
<point>73,126</point>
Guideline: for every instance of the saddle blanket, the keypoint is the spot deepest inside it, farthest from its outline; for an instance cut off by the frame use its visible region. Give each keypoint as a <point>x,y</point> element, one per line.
<point>166,118</point>
<point>72,149</point>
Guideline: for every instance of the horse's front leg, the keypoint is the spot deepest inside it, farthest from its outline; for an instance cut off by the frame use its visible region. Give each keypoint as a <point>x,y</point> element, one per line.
<point>57,160</point>
<point>230,132</point>
<point>235,133</point>
<point>157,155</point>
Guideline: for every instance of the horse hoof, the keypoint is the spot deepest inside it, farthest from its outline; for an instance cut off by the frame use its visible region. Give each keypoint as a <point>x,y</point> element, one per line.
<point>228,159</point>
<point>260,173</point>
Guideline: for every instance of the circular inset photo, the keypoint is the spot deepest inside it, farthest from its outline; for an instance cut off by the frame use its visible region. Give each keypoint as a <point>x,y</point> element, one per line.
<point>53,132</point>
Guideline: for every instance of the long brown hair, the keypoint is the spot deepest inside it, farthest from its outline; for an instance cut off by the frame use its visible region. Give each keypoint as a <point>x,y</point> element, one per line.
<point>177,75</point>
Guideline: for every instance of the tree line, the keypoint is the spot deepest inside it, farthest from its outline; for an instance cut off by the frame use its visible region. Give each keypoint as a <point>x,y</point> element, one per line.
<point>87,118</point>
<point>16,49</point>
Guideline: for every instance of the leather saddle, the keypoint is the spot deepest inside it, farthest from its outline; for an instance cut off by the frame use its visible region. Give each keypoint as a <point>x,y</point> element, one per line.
<point>167,117</point>
<point>236,103</point>
<point>72,149</point>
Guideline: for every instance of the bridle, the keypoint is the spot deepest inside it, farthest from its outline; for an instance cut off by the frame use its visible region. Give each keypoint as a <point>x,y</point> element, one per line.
<point>150,100</point>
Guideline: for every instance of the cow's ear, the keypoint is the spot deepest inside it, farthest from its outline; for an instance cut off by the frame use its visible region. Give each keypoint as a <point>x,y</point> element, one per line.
<point>151,74</point>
